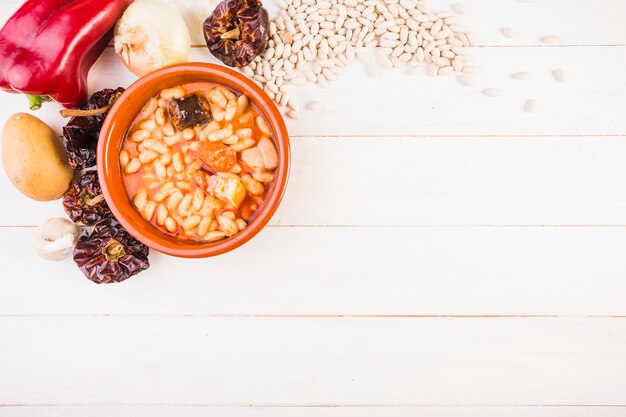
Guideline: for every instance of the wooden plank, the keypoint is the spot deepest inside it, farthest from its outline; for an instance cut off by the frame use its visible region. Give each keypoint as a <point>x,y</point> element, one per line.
<point>330,411</point>
<point>290,361</point>
<point>433,181</point>
<point>345,272</point>
<point>419,105</point>
<point>532,20</point>
<point>600,20</point>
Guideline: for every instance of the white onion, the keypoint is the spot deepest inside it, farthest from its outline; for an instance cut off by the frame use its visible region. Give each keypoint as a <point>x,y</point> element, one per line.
<point>151,35</point>
<point>194,13</point>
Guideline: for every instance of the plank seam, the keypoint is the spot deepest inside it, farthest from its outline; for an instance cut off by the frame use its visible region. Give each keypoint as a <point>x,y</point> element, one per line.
<point>495,45</point>
<point>269,405</point>
<point>463,136</point>
<point>413,226</point>
<point>311,316</point>
<point>500,46</point>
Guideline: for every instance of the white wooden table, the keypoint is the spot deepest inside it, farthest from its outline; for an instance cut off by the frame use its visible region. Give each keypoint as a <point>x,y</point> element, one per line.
<point>437,253</point>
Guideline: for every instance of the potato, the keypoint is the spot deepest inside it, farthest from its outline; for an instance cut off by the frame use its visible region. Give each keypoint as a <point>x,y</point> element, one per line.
<point>34,158</point>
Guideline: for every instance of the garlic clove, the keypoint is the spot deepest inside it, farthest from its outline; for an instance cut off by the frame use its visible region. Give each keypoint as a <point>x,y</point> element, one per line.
<point>54,240</point>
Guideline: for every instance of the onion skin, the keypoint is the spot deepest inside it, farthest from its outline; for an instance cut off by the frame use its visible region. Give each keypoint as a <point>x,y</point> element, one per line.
<point>151,35</point>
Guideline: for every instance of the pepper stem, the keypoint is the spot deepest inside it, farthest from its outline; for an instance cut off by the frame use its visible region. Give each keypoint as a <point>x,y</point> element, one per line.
<point>96,200</point>
<point>87,199</point>
<point>113,251</point>
<point>231,34</point>
<point>35,102</point>
<point>86,113</point>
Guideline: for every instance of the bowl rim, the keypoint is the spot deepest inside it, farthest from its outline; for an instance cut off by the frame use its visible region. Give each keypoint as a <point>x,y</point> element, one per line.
<point>110,175</point>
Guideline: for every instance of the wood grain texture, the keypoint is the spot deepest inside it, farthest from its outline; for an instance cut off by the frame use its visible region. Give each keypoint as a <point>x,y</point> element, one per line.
<point>432,181</point>
<point>139,410</point>
<point>438,253</point>
<point>345,271</point>
<point>589,103</point>
<point>601,20</point>
<point>290,361</point>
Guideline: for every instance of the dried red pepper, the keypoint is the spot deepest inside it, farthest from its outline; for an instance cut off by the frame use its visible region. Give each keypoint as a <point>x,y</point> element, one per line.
<point>82,131</point>
<point>237,31</point>
<point>84,201</point>
<point>106,253</point>
<point>48,46</point>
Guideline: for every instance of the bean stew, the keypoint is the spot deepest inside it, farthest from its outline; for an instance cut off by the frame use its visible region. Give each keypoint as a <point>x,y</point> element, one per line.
<point>198,161</point>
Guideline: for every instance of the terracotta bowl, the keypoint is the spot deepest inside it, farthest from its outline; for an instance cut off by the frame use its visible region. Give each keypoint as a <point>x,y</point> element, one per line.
<point>113,133</point>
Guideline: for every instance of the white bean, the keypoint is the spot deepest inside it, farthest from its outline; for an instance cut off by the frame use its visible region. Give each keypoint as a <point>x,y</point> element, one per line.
<point>262,125</point>
<point>148,210</point>
<point>147,156</point>
<point>530,106</point>
<point>492,92</point>
<point>559,75</point>
<point>220,134</point>
<point>140,135</point>
<point>140,199</point>
<point>268,152</point>
<point>227,225</point>
<point>161,214</point>
<point>231,110</point>
<point>164,191</point>
<point>253,186</point>
<point>243,144</point>
<point>191,222</point>
<point>133,166</point>
<point>216,97</point>
<point>244,133</point>
<point>214,236</point>
<point>253,158</point>
<point>177,162</point>
<point>171,225</point>
<point>174,199</point>
<point>124,158</point>
<point>155,145</point>
<point>174,92</point>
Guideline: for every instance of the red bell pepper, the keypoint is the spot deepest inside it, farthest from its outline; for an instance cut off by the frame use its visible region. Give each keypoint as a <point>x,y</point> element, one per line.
<point>48,46</point>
